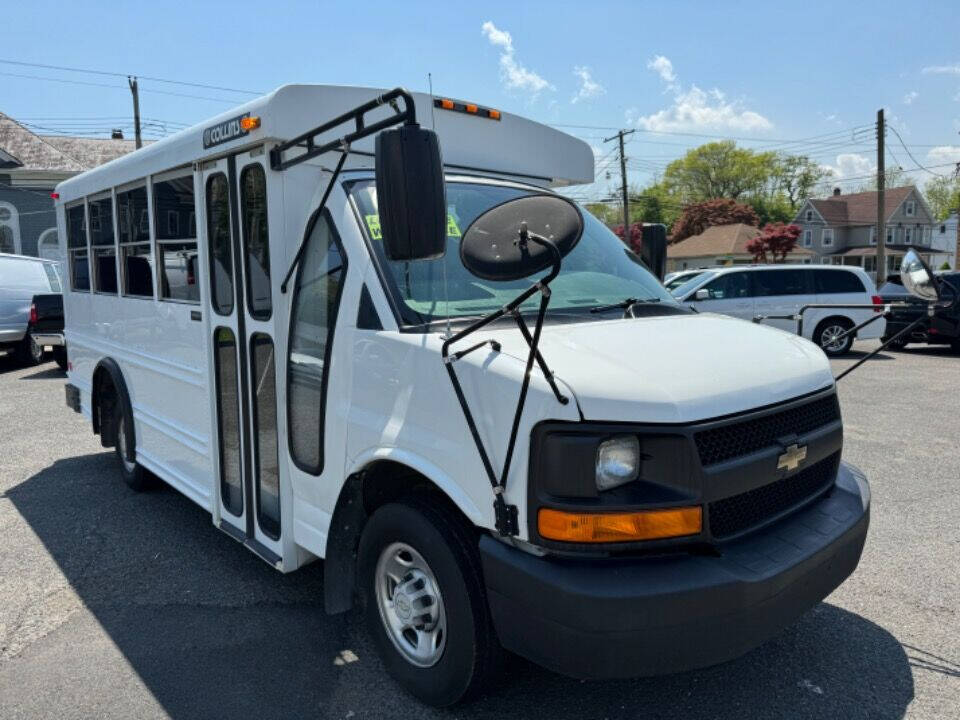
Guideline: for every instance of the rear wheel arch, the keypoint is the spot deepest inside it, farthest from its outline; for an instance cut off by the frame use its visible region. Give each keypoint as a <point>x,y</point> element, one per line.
<point>379,483</point>
<point>108,389</point>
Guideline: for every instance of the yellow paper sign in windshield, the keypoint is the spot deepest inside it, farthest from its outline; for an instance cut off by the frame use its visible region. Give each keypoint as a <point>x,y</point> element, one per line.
<point>373,226</point>
<point>452,229</point>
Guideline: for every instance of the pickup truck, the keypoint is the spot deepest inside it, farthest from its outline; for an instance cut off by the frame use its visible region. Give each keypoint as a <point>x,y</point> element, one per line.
<point>31,309</point>
<point>942,329</point>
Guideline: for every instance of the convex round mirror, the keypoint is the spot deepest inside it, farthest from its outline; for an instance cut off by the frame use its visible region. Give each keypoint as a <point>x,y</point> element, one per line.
<point>917,277</point>
<point>491,247</point>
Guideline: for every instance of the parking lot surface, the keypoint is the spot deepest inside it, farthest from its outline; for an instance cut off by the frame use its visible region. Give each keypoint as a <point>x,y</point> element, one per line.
<point>117,604</point>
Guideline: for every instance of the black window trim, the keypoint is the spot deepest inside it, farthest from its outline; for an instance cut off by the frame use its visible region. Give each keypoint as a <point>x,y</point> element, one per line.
<point>331,333</point>
<point>243,236</point>
<point>211,265</point>
<point>218,380</point>
<point>255,436</point>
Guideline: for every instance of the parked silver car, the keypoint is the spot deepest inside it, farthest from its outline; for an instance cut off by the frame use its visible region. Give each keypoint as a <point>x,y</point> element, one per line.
<point>31,308</point>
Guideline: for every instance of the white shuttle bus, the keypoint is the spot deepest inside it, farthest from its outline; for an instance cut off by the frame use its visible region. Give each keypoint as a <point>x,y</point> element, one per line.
<point>361,326</point>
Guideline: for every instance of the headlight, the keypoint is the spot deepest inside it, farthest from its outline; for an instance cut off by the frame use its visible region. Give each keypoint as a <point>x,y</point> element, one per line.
<point>618,461</point>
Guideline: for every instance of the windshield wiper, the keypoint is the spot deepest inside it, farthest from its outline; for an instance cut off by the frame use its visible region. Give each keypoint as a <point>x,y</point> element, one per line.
<point>624,304</point>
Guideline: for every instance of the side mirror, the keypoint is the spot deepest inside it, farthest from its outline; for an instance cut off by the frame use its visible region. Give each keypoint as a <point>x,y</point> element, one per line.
<point>495,246</point>
<point>918,279</point>
<point>702,294</point>
<point>411,197</point>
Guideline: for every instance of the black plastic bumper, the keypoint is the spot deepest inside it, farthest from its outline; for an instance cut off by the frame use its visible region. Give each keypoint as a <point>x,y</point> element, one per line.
<point>650,616</point>
<point>73,397</point>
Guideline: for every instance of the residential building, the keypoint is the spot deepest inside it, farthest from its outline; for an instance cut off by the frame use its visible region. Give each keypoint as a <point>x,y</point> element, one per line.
<point>841,229</point>
<point>721,245</point>
<point>31,165</point>
<point>943,246</point>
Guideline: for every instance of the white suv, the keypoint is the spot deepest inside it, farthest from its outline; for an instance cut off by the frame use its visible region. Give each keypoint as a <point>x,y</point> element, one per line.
<point>752,290</point>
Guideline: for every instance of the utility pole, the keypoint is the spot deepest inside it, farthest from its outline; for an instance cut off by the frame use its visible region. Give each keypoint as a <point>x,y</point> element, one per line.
<point>623,179</point>
<point>881,214</point>
<point>132,81</point>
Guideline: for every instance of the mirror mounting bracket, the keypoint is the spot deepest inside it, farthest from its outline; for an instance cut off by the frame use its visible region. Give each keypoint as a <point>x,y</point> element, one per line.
<point>505,515</point>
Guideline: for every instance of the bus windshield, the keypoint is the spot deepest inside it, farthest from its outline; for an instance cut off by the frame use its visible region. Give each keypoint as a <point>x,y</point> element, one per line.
<point>600,270</point>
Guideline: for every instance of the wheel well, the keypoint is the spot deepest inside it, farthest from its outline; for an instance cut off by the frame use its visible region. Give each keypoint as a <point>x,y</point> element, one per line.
<point>379,483</point>
<point>838,319</point>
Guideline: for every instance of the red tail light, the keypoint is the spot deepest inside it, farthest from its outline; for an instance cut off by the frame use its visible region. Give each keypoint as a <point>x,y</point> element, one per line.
<point>33,314</point>
<point>877,300</point>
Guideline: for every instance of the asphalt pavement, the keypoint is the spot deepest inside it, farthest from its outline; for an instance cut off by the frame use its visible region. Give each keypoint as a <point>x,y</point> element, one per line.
<point>123,605</point>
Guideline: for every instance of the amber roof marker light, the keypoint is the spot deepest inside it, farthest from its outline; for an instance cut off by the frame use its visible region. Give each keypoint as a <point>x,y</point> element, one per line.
<point>467,108</point>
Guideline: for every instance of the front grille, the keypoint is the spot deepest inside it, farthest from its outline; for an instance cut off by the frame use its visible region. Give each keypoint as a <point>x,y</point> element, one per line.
<point>738,513</point>
<point>740,438</point>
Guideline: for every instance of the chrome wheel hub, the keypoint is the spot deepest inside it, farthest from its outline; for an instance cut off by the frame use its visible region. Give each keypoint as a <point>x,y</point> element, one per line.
<point>411,607</point>
<point>830,337</point>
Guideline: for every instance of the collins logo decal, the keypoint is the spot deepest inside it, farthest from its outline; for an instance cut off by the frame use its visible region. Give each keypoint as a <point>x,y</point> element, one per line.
<point>224,132</point>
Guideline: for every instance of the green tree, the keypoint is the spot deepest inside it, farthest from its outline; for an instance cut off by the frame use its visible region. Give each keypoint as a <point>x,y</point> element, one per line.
<point>795,177</point>
<point>942,195</point>
<point>772,208</point>
<point>720,170</point>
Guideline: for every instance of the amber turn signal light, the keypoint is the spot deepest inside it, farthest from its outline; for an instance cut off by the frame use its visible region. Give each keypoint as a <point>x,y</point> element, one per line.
<point>251,122</point>
<point>619,527</point>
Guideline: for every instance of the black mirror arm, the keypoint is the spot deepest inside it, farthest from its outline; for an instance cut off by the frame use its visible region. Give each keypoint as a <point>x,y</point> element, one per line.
<point>323,202</point>
<point>507,523</point>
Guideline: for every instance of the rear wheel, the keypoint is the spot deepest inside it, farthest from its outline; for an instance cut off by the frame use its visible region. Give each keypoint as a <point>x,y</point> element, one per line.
<point>898,344</point>
<point>28,352</point>
<point>425,602</point>
<point>60,356</point>
<point>828,336</point>
<point>133,473</point>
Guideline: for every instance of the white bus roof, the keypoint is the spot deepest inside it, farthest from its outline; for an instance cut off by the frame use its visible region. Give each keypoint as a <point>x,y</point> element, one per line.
<point>511,146</point>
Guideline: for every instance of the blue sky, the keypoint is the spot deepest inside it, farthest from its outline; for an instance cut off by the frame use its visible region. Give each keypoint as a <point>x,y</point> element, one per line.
<point>806,78</point>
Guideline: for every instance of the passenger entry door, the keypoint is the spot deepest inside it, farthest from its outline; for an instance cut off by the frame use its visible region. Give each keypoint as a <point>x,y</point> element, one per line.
<point>242,358</point>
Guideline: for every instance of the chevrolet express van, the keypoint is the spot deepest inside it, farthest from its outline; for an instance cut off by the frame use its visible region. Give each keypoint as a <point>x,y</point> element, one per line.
<point>403,353</point>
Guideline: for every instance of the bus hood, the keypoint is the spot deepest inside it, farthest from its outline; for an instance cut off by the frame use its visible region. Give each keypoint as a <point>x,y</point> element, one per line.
<point>675,369</point>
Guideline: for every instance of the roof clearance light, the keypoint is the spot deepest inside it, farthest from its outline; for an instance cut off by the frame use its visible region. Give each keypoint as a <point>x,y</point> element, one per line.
<point>55,196</point>
<point>619,527</point>
<point>251,122</point>
<point>469,108</point>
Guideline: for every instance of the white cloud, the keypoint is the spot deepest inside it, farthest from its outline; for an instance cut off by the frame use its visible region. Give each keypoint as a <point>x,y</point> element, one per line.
<point>514,75</point>
<point>664,69</point>
<point>696,109</point>
<point>589,88</point>
<point>850,165</point>
<point>943,154</point>
<point>910,97</point>
<point>942,70</point>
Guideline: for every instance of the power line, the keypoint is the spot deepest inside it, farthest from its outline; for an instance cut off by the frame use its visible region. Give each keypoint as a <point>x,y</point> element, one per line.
<point>118,87</point>
<point>911,154</point>
<point>126,74</point>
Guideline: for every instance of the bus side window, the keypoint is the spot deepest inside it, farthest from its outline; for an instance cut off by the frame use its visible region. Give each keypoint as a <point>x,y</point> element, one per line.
<point>173,204</point>
<point>218,235</point>
<point>135,253</point>
<point>256,242</point>
<point>77,249</point>
<point>315,302</point>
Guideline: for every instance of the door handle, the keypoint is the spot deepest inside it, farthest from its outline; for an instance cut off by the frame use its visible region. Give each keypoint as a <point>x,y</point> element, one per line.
<point>196,315</point>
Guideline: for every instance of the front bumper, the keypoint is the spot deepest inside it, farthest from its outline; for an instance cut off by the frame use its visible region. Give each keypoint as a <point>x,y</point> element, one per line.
<point>630,617</point>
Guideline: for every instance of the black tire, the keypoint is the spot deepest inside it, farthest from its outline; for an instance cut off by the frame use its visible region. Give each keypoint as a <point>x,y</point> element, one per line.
<point>132,472</point>
<point>829,328</point>
<point>449,548</point>
<point>28,352</point>
<point>897,345</point>
<point>60,356</point>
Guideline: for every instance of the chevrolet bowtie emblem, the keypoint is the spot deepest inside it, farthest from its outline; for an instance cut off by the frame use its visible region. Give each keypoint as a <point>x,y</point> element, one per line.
<point>792,458</point>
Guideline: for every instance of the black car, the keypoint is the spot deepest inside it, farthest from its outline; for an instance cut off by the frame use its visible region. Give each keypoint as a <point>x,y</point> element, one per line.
<point>942,329</point>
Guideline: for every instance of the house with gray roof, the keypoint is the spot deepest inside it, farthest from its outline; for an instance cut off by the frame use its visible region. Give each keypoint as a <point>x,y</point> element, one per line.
<point>31,165</point>
<point>842,229</point>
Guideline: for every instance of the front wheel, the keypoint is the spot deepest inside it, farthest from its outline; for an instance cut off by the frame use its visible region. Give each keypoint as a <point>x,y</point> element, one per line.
<point>425,601</point>
<point>829,336</point>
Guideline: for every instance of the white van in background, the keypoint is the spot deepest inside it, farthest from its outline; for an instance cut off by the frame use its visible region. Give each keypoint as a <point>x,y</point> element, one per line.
<point>749,291</point>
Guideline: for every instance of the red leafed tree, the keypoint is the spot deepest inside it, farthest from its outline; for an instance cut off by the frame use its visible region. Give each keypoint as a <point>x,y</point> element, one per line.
<point>636,236</point>
<point>698,217</point>
<point>775,242</point>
